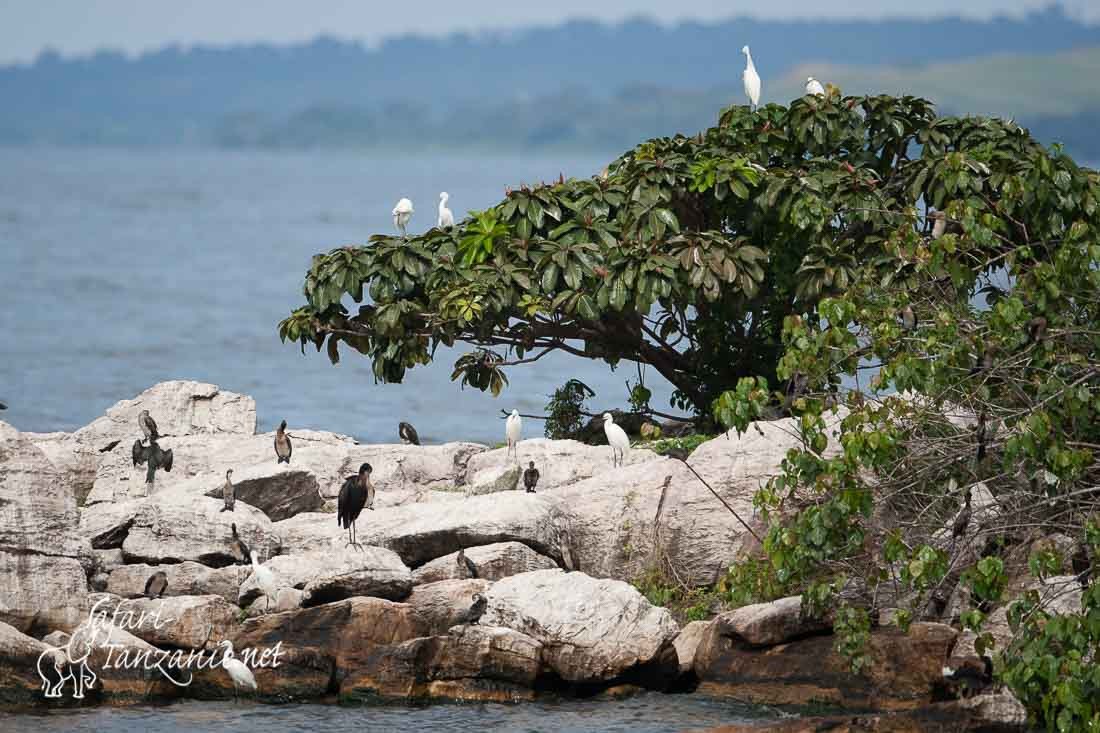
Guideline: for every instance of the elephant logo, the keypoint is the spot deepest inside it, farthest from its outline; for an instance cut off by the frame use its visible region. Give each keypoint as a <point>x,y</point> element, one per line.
<point>57,666</point>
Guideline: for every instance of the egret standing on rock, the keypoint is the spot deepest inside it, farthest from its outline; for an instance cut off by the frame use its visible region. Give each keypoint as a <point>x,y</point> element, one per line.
<point>148,426</point>
<point>407,433</point>
<point>616,438</point>
<point>283,448</point>
<point>813,86</point>
<point>357,492</point>
<point>265,580</point>
<point>751,79</point>
<point>513,429</point>
<point>402,213</point>
<point>239,673</point>
<point>531,477</point>
<point>229,492</point>
<point>446,218</point>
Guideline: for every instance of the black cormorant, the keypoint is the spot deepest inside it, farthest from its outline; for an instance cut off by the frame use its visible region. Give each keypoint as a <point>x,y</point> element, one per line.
<point>466,567</point>
<point>148,426</point>
<point>357,492</point>
<point>156,585</point>
<point>229,492</point>
<point>408,433</point>
<point>1036,330</point>
<point>1082,566</point>
<point>283,448</point>
<point>962,521</point>
<point>153,456</point>
<point>242,549</point>
<point>531,477</point>
<point>475,612</point>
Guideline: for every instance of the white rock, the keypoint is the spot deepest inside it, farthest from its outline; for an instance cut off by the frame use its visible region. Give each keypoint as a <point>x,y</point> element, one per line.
<point>559,462</point>
<point>687,641</point>
<point>409,474</point>
<point>183,622</point>
<point>443,604</point>
<point>495,561</point>
<point>106,525</point>
<point>591,629</point>
<point>184,579</point>
<point>494,479</point>
<point>41,593</point>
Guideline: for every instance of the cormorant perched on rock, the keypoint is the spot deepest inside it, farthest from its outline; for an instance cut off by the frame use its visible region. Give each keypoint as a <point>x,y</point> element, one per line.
<point>1082,566</point>
<point>283,448</point>
<point>475,612</point>
<point>242,549</point>
<point>229,492</point>
<point>153,456</point>
<point>967,680</point>
<point>962,521</point>
<point>156,585</point>
<point>357,492</point>
<point>531,477</point>
<point>466,567</point>
<point>908,318</point>
<point>148,426</point>
<point>408,433</point>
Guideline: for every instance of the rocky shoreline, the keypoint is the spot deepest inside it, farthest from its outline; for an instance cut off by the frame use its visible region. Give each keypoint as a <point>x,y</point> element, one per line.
<point>79,538</point>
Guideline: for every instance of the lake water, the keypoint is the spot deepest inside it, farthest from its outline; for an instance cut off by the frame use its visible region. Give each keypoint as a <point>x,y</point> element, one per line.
<point>123,268</point>
<point>648,713</point>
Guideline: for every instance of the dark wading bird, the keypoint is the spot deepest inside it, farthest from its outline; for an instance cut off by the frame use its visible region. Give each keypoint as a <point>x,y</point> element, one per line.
<point>356,493</point>
<point>244,554</point>
<point>408,433</point>
<point>148,426</point>
<point>283,448</point>
<point>153,456</point>
<point>466,567</point>
<point>156,585</point>
<point>229,492</point>
<point>531,477</point>
<point>474,612</point>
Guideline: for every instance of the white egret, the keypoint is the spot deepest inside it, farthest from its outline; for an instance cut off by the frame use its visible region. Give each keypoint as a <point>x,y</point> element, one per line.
<point>751,79</point>
<point>265,580</point>
<point>813,86</point>
<point>616,438</point>
<point>402,213</point>
<point>513,429</point>
<point>446,218</point>
<point>239,673</point>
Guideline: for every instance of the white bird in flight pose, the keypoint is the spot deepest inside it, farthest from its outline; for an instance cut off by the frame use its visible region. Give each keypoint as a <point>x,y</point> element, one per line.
<point>616,438</point>
<point>813,86</point>
<point>513,429</point>
<point>446,218</point>
<point>401,215</point>
<point>751,79</point>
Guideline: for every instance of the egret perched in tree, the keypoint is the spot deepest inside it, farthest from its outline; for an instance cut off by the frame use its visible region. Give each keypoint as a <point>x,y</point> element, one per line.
<point>283,448</point>
<point>446,218</point>
<point>148,426</point>
<point>751,79</point>
<point>616,438</point>
<point>401,215</point>
<point>813,86</point>
<point>357,492</point>
<point>239,673</point>
<point>229,492</point>
<point>408,433</point>
<point>265,580</point>
<point>513,429</point>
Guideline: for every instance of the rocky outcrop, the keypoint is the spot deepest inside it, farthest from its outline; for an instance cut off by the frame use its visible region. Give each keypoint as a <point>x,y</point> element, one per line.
<point>366,571</point>
<point>446,603</point>
<point>20,683</point>
<point>182,622</point>
<point>195,528</point>
<point>474,663</point>
<point>125,667</point>
<point>686,642</point>
<point>493,562</point>
<point>184,579</point>
<point>411,474</point>
<point>902,669</point>
<point>494,479</point>
<point>768,624</point>
<point>42,593</point>
<point>106,525</point>
<point>591,629</point>
<point>422,532</point>
<point>560,462</point>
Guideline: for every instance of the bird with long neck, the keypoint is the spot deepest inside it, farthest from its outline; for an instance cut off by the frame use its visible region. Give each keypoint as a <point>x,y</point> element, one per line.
<point>513,431</point>
<point>283,447</point>
<point>229,492</point>
<point>239,673</point>
<point>148,426</point>
<point>751,80</point>
<point>446,218</point>
<point>402,213</point>
<point>356,493</point>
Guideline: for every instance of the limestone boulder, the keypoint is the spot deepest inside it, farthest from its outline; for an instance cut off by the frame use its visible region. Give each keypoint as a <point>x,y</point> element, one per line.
<point>74,461</point>
<point>184,579</point>
<point>768,624</point>
<point>471,663</point>
<point>195,528</point>
<point>20,684</point>
<point>39,509</point>
<point>493,562</point>
<point>444,603</point>
<point>591,629</point>
<point>409,474</point>
<point>493,479</point>
<point>1059,594</point>
<point>367,571</point>
<point>126,668</point>
<point>903,669</point>
<point>41,593</point>
<point>106,525</point>
<point>686,642</point>
<point>181,622</point>
<point>559,462</point>
<point>420,533</point>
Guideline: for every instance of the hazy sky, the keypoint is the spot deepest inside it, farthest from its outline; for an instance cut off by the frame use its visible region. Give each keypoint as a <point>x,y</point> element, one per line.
<point>81,26</point>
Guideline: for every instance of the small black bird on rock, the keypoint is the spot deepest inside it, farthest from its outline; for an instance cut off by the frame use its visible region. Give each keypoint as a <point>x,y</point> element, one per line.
<point>153,456</point>
<point>244,554</point>
<point>408,433</point>
<point>475,612</point>
<point>531,477</point>
<point>283,448</point>
<point>229,492</point>
<point>466,567</point>
<point>156,585</point>
<point>356,493</point>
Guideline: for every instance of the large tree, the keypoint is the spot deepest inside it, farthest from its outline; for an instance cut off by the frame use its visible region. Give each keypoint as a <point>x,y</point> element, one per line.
<point>686,254</point>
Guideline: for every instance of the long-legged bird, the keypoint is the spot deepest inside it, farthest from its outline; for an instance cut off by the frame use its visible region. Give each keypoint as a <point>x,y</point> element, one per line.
<point>616,438</point>
<point>513,430</point>
<point>356,493</point>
